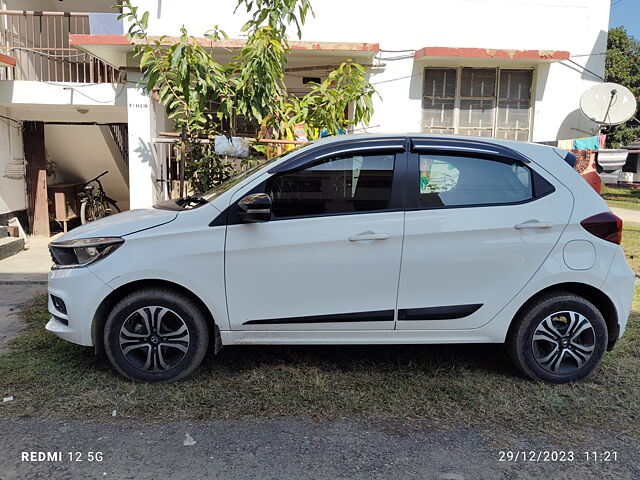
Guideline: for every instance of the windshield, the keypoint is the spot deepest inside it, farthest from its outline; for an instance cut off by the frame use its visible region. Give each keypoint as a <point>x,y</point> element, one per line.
<point>227,184</point>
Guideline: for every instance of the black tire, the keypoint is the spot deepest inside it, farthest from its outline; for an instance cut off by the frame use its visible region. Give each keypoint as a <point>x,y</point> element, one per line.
<point>180,343</point>
<point>537,357</point>
<point>112,207</point>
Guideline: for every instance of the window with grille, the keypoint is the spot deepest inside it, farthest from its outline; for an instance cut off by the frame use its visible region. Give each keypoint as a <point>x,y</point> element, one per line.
<point>483,102</point>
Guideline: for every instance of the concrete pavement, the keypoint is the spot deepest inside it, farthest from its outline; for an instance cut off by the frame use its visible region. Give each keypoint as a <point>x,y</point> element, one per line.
<point>30,266</point>
<point>627,215</point>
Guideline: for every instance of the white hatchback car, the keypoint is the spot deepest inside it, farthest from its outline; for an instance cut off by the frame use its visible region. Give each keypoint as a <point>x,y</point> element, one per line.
<point>399,239</point>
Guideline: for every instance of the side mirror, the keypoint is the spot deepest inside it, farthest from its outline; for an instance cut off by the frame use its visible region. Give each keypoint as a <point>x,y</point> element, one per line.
<point>255,208</point>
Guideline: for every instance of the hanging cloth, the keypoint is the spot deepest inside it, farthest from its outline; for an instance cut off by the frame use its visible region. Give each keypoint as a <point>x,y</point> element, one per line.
<point>603,139</point>
<point>587,143</point>
<point>565,144</point>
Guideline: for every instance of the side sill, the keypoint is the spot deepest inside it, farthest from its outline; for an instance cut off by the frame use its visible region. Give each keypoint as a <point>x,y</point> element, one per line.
<point>357,337</point>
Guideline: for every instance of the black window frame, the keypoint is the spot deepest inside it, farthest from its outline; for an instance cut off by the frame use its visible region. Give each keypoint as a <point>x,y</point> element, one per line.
<point>541,187</point>
<point>405,194</point>
<point>396,201</point>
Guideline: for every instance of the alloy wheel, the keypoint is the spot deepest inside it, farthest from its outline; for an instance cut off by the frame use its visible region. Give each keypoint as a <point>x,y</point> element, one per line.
<point>563,342</point>
<point>154,339</point>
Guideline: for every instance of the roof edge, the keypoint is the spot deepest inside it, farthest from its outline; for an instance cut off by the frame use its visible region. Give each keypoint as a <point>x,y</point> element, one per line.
<point>105,40</point>
<point>475,52</point>
<point>7,61</point>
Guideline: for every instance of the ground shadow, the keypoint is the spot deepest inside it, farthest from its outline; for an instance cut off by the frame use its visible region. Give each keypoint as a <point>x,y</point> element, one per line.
<point>487,358</point>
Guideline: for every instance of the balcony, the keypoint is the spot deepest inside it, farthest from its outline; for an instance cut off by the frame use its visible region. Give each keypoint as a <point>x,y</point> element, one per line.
<point>39,43</point>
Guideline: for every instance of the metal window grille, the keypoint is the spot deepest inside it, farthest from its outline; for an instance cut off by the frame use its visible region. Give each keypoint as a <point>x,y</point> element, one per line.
<point>483,102</point>
<point>39,41</point>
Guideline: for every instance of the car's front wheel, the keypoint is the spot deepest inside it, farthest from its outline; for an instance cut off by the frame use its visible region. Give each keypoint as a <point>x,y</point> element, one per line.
<point>558,339</point>
<point>156,335</point>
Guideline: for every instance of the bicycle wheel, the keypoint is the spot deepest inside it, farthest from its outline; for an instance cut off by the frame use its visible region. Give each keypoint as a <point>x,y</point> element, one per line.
<point>88,212</point>
<point>110,208</point>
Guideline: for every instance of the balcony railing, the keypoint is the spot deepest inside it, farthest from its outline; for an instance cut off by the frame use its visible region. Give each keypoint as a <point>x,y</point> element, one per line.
<point>39,42</point>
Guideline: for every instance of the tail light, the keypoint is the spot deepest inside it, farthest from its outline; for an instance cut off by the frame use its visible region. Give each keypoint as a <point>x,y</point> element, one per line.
<point>606,226</point>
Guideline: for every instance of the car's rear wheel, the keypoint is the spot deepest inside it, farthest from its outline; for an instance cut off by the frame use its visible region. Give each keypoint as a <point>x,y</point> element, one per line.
<point>558,339</point>
<point>156,335</point>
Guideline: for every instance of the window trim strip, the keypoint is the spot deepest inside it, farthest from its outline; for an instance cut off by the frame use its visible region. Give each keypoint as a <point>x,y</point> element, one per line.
<point>391,145</point>
<point>463,146</point>
<point>381,149</point>
<point>419,146</point>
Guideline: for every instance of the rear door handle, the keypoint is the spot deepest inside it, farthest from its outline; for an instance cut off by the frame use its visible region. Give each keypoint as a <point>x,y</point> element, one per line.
<point>533,224</point>
<point>369,236</point>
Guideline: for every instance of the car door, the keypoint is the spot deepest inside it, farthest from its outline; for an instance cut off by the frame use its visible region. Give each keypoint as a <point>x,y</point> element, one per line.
<point>329,258</point>
<point>477,228</point>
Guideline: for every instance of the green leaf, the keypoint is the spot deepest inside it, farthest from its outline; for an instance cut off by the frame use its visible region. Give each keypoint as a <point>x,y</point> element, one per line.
<point>177,54</point>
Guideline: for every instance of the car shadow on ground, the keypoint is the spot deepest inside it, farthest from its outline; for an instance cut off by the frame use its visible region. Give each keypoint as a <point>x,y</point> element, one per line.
<point>479,358</point>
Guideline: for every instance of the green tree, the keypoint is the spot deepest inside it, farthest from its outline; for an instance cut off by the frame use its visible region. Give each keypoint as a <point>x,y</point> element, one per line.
<point>260,67</point>
<point>187,78</point>
<point>623,66</point>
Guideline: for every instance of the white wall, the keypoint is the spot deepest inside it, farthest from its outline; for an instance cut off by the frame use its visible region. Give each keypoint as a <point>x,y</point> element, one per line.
<point>146,119</point>
<point>12,191</point>
<point>577,26</point>
<point>49,93</point>
<point>520,24</point>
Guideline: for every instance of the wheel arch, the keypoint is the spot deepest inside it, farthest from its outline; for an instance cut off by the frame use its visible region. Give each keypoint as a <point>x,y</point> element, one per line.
<point>102,312</point>
<point>596,296</point>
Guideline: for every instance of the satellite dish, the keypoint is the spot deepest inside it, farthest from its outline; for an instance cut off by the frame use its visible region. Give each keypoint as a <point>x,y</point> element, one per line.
<point>608,104</point>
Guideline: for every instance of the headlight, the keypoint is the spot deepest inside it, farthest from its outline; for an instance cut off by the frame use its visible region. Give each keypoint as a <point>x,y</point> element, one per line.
<point>82,252</point>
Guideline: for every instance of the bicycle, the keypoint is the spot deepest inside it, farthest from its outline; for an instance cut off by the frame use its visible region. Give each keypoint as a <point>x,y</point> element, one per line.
<point>95,204</point>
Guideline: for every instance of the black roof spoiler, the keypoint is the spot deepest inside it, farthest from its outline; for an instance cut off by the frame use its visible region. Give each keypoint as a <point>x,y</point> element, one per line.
<point>567,156</point>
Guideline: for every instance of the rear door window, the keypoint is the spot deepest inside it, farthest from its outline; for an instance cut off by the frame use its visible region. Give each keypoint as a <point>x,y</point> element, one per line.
<point>451,181</point>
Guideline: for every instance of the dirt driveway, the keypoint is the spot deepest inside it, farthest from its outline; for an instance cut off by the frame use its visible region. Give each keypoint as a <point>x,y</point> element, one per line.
<point>12,298</point>
<point>289,448</point>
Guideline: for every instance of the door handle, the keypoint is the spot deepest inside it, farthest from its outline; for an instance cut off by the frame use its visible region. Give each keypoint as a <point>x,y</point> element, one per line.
<point>533,224</point>
<point>369,236</point>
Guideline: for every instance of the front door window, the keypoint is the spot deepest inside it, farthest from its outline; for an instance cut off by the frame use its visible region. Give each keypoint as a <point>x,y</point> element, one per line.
<point>339,185</point>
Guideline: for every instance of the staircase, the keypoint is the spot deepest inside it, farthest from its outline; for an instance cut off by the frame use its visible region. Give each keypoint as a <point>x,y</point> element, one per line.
<point>9,245</point>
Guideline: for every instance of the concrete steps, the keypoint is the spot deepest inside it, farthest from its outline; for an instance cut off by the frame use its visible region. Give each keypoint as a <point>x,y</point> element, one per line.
<point>9,245</point>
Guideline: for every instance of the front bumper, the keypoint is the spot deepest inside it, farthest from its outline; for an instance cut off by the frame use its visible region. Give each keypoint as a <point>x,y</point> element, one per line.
<point>82,292</point>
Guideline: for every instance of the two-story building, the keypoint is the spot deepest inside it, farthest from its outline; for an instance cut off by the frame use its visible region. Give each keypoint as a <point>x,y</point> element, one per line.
<point>71,106</point>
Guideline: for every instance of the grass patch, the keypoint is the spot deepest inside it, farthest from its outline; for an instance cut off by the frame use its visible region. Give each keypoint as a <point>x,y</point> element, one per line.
<point>444,385</point>
<point>621,197</point>
<point>631,245</point>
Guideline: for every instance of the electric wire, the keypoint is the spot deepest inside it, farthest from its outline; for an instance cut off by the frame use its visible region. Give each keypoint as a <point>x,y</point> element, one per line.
<point>80,92</point>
